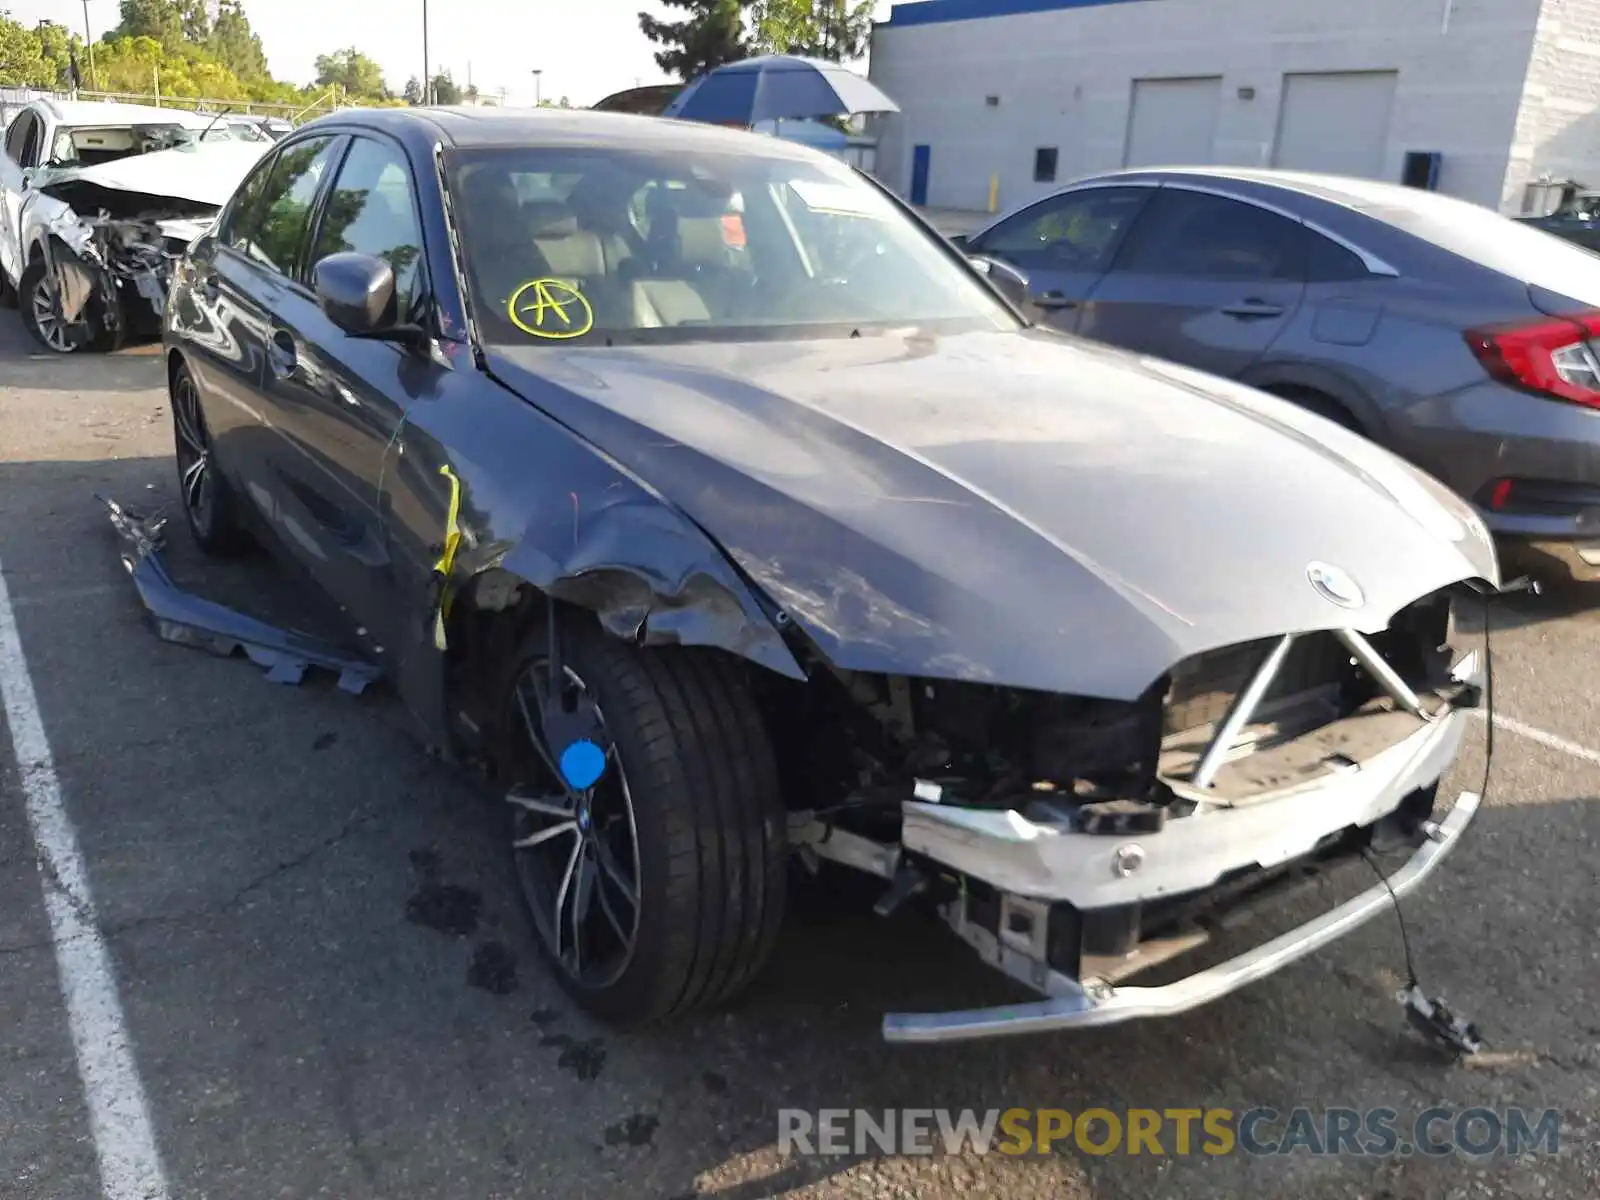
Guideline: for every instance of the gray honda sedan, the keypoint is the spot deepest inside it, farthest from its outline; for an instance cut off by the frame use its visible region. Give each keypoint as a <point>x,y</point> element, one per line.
<point>1454,336</point>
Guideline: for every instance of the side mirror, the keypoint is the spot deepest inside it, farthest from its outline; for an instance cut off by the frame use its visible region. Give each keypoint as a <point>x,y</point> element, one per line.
<point>357,293</point>
<point>1004,278</point>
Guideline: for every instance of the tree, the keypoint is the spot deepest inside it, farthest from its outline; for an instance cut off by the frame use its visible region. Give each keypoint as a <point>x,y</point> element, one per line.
<point>832,29</point>
<point>353,71</point>
<point>445,90</point>
<point>711,35</point>
<point>159,20</point>
<point>22,61</point>
<point>235,44</point>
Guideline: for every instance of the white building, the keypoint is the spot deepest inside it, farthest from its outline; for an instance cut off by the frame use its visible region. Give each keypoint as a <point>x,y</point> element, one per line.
<point>1038,92</point>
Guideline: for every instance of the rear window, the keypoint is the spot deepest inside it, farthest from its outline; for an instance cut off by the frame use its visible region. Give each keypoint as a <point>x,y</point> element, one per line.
<point>1483,236</point>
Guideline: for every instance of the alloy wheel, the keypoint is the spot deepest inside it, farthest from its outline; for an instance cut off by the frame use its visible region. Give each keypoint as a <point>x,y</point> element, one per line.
<point>194,452</point>
<point>576,849</point>
<point>47,317</point>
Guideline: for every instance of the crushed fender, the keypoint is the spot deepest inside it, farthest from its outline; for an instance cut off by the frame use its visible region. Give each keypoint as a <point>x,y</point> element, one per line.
<point>189,620</point>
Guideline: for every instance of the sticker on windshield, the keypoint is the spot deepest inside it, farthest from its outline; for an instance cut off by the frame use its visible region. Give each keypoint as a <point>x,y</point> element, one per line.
<point>551,308</point>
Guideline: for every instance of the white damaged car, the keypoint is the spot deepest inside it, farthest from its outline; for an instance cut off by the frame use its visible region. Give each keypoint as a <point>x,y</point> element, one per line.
<point>99,201</point>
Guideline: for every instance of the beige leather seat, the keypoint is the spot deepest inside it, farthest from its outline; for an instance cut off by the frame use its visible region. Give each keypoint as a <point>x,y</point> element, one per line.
<point>572,254</point>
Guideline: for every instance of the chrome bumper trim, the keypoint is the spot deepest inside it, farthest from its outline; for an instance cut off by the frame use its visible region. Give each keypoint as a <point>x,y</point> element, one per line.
<point>1089,1005</point>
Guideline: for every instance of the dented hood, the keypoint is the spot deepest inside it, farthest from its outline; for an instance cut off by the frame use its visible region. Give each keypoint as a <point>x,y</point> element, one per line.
<point>205,173</point>
<point>1015,508</point>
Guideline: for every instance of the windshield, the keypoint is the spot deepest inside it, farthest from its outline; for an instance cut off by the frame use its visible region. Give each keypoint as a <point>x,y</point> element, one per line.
<point>612,244</point>
<point>89,146</point>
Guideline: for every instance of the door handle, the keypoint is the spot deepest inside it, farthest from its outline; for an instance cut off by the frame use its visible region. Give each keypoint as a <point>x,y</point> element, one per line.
<point>1052,299</point>
<point>1253,308</point>
<point>282,357</point>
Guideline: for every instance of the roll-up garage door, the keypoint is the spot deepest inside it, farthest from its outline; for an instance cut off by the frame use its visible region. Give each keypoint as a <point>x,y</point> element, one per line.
<point>1337,123</point>
<point>1173,122</point>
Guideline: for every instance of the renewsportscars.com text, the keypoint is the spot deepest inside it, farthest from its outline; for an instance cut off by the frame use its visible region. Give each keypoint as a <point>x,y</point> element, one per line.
<point>1373,1132</point>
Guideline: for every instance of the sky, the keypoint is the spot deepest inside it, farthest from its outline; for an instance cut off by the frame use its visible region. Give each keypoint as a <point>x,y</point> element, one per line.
<point>586,49</point>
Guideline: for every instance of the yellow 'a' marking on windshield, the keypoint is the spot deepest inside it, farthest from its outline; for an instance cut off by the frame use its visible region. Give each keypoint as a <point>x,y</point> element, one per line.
<point>540,309</point>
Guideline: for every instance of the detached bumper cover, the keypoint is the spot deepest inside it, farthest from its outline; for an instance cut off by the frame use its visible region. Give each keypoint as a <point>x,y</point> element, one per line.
<point>1090,1006</point>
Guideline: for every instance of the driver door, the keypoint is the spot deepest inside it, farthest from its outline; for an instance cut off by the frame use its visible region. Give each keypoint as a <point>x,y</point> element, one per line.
<point>1064,244</point>
<point>21,153</point>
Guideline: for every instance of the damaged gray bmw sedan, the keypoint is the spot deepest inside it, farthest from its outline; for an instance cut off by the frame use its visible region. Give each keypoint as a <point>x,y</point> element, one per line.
<point>713,508</point>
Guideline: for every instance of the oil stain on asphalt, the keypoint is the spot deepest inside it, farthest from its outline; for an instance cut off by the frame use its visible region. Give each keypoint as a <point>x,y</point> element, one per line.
<point>443,907</point>
<point>494,969</point>
<point>637,1130</point>
<point>583,1058</point>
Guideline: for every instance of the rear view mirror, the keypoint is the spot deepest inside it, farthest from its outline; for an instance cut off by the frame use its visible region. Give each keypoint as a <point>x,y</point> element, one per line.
<point>356,291</point>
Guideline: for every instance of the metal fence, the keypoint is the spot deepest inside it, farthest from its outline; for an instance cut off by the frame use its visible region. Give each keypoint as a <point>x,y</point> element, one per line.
<point>14,99</point>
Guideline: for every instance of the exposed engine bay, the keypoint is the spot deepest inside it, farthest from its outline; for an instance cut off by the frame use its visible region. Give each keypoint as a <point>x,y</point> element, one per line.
<point>1076,842</point>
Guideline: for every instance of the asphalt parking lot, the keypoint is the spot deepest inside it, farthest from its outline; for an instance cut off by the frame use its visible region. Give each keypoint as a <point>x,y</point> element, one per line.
<point>326,988</point>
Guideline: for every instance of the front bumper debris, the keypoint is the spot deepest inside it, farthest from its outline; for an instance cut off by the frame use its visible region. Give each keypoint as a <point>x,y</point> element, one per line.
<point>189,620</point>
<point>1047,860</point>
<point>1081,1005</point>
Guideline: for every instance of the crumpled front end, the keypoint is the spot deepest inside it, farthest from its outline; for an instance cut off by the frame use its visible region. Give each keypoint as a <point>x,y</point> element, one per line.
<point>1128,835</point>
<point>112,234</point>
<point>124,263</point>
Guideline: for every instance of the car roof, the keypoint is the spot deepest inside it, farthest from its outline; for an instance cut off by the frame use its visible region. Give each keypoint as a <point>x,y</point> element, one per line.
<point>471,127</point>
<point>103,114</point>
<point>1363,195</point>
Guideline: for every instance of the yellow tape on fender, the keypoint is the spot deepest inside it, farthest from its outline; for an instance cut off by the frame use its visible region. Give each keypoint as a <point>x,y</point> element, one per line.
<point>550,308</point>
<point>447,556</point>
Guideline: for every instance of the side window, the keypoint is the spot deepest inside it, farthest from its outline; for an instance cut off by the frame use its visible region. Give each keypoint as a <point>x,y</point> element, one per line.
<point>1196,235</point>
<point>22,140</point>
<point>371,211</point>
<point>282,216</point>
<point>1073,232</point>
<point>1329,262</point>
<point>239,219</point>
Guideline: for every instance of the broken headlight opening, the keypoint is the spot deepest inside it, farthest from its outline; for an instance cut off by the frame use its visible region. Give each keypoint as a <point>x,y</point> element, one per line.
<point>1075,843</point>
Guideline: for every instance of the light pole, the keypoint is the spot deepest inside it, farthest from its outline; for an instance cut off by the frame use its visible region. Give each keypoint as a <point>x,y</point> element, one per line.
<point>538,89</point>
<point>88,42</point>
<point>427,73</point>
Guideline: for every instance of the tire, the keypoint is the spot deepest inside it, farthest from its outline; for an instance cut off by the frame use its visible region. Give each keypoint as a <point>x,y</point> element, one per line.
<point>694,766</point>
<point>34,300</point>
<point>209,508</point>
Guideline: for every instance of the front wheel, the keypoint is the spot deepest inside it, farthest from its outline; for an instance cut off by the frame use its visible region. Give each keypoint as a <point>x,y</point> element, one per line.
<point>647,827</point>
<point>41,314</point>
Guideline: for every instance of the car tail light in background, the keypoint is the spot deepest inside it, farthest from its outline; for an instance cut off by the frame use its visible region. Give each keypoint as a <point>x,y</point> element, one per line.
<point>1549,355</point>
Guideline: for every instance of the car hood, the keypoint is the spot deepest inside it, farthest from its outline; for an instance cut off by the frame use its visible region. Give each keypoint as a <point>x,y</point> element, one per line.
<point>205,173</point>
<point>1014,508</point>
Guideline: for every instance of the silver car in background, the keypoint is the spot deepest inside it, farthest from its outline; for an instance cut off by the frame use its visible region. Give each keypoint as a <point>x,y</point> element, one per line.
<point>1453,336</point>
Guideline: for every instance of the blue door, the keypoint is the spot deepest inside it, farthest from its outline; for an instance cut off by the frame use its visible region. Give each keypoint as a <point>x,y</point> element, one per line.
<point>921,157</point>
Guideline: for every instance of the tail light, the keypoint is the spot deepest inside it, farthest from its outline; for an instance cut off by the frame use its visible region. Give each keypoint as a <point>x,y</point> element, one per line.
<point>1550,356</point>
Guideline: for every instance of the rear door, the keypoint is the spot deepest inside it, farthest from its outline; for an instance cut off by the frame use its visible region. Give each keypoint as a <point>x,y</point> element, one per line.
<point>338,401</point>
<point>1203,279</point>
<point>21,152</point>
<point>1064,244</point>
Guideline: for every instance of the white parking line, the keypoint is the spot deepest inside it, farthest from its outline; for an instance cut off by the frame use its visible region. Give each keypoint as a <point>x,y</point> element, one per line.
<point>1534,734</point>
<point>130,1164</point>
